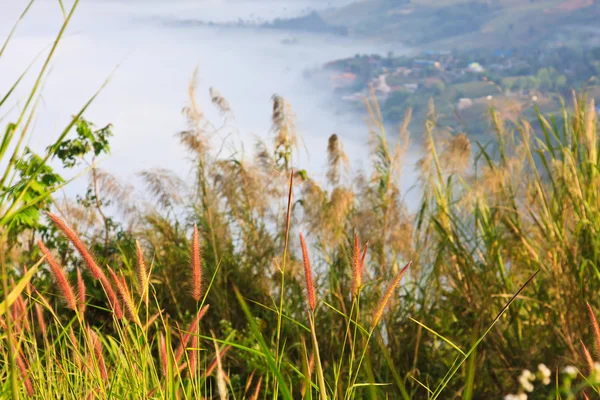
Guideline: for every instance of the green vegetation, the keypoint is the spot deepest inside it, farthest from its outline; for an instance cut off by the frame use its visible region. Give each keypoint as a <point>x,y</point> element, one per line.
<point>465,83</point>
<point>494,275</point>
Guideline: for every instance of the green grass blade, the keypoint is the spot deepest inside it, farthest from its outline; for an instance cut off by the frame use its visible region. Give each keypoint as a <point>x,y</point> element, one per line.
<point>261,341</point>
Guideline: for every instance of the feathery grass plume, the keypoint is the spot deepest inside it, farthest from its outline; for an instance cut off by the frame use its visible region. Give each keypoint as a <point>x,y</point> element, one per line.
<point>196,266</point>
<point>213,364</point>
<point>588,357</point>
<point>24,374</point>
<point>89,262</point>
<point>192,329</point>
<point>142,272</point>
<point>39,313</point>
<point>257,390</point>
<point>356,266</point>
<point>595,327</point>
<point>387,295</point>
<point>336,159</point>
<point>60,277</point>
<point>162,343</point>
<point>125,296</point>
<point>81,292</point>
<point>97,348</point>
<point>19,313</point>
<point>362,259</point>
<point>221,384</point>
<point>310,289</point>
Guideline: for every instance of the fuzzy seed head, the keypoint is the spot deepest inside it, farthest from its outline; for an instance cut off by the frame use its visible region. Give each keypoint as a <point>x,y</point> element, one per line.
<point>196,266</point>
<point>387,295</point>
<point>310,289</point>
<point>89,262</point>
<point>59,276</point>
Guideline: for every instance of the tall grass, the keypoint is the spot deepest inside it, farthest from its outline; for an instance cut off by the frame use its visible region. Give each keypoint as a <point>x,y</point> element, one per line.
<point>495,273</point>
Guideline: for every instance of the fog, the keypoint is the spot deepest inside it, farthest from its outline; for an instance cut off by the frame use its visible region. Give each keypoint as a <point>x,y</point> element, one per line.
<point>151,57</point>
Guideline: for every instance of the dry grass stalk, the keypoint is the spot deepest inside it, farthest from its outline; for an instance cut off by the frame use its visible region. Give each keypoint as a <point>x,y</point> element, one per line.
<point>310,289</point>
<point>125,296</point>
<point>196,266</point>
<point>142,272</point>
<point>213,364</point>
<point>193,354</point>
<point>221,384</point>
<point>309,372</point>
<point>249,382</point>
<point>60,277</point>
<point>81,292</point>
<point>596,328</point>
<point>192,329</point>
<point>387,295</point>
<point>257,390</point>
<point>90,263</point>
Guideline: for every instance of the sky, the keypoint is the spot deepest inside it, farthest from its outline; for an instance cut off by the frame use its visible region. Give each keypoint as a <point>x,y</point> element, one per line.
<point>150,57</point>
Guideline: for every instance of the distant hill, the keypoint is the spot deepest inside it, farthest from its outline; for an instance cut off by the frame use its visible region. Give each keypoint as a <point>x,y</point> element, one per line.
<point>311,22</point>
<point>471,23</point>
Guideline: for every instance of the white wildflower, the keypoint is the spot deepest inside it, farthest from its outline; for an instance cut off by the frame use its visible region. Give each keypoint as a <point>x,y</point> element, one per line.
<point>545,373</point>
<point>544,370</point>
<point>521,396</point>
<point>570,370</point>
<point>511,397</point>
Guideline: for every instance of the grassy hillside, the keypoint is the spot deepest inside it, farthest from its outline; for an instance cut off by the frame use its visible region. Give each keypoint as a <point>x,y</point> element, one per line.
<point>449,23</point>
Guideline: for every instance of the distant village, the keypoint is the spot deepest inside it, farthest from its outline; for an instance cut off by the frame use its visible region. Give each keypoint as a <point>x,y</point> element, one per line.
<point>462,80</point>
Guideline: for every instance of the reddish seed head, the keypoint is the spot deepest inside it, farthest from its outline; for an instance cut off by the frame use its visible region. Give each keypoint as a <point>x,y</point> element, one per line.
<point>89,262</point>
<point>196,266</point>
<point>40,318</point>
<point>97,347</point>
<point>21,364</point>
<point>125,296</point>
<point>387,295</point>
<point>595,327</point>
<point>59,277</point>
<point>142,272</point>
<point>310,289</point>
<point>356,266</point>
<point>163,354</point>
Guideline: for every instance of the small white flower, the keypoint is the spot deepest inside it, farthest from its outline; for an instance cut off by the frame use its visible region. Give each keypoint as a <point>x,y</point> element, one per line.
<point>527,375</point>
<point>521,396</point>
<point>511,397</point>
<point>570,370</point>
<point>597,368</point>
<point>528,387</point>
<point>544,370</point>
<point>546,380</point>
